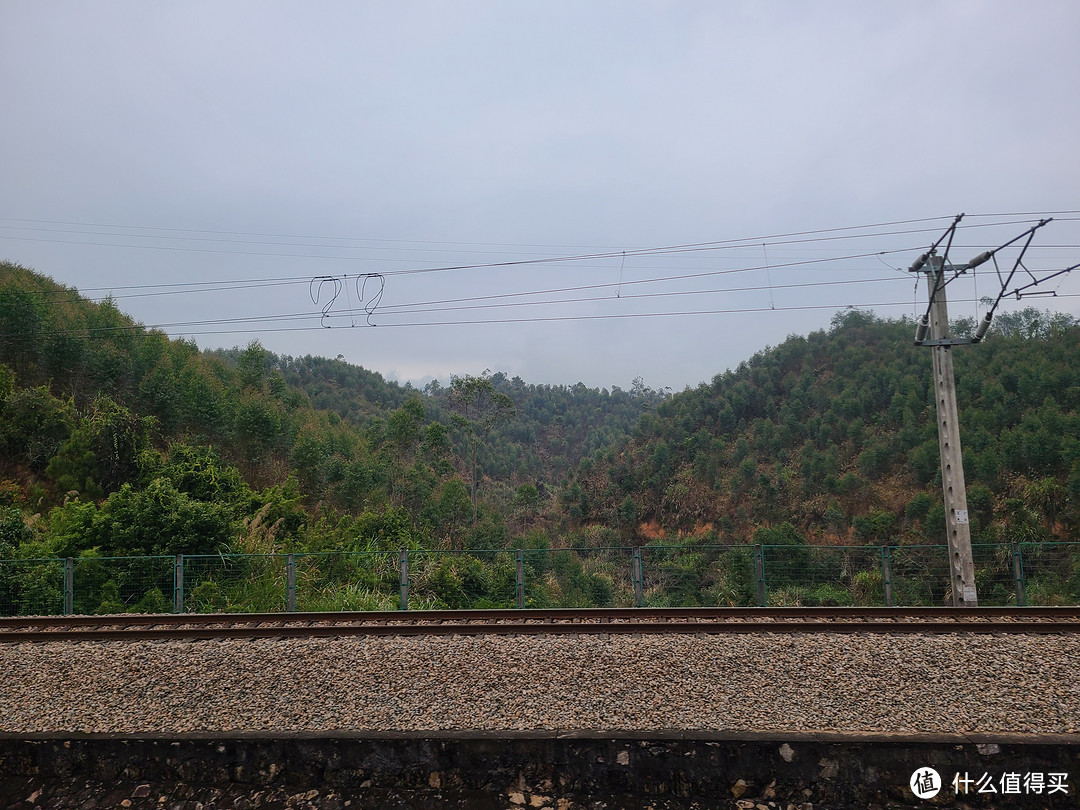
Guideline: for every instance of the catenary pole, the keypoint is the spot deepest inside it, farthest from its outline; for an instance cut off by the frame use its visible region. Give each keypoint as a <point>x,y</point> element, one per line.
<point>958,529</point>
<point>936,322</point>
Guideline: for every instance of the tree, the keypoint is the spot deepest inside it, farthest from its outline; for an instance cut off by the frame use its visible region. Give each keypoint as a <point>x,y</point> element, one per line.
<point>478,407</point>
<point>198,472</point>
<point>253,368</point>
<point>452,509</point>
<point>258,427</point>
<point>103,450</point>
<point>22,323</point>
<point>35,424</point>
<point>627,516</point>
<point>436,447</point>
<point>159,520</point>
<point>403,428</point>
<point>526,504</point>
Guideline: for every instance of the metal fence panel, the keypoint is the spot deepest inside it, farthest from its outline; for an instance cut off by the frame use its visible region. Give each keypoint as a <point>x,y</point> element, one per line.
<point>347,581</point>
<point>698,576</point>
<point>235,583</point>
<point>828,576</point>
<point>31,587</point>
<point>1051,573</point>
<point>920,576</point>
<point>122,584</point>
<point>994,578</point>
<point>578,577</point>
<point>462,580</point>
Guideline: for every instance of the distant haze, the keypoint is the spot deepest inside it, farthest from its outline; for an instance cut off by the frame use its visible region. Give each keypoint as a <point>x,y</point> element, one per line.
<point>296,150</point>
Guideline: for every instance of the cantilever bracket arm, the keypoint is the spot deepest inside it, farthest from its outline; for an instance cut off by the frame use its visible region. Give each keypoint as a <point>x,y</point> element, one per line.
<point>959,270</point>
<point>1019,291</point>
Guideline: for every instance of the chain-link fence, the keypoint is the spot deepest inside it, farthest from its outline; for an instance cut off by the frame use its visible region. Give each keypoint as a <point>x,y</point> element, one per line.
<point>347,581</point>
<point>695,576</point>
<point>121,585</point>
<point>32,587</point>
<point>1049,573</point>
<point>827,576</point>
<point>919,575</point>
<point>457,580</point>
<point>655,576</point>
<point>235,583</point>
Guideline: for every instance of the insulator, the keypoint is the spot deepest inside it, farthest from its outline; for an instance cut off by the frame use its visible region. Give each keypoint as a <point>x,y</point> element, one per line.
<point>981,258</point>
<point>919,262</point>
<point>984,325</point>
<point>920,331</point>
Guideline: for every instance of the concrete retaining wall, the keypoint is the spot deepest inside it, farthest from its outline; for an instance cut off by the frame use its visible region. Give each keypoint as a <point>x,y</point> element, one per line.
<point>677,770</point>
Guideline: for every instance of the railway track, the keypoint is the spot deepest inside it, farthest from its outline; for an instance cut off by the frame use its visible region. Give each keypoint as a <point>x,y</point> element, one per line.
<point>538,622</point>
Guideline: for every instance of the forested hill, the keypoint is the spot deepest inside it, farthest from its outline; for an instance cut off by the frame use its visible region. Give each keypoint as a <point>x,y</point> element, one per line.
<point>551,428</point>
<point>835,433</point>
<point>100,417</point>
<point>116,440</point>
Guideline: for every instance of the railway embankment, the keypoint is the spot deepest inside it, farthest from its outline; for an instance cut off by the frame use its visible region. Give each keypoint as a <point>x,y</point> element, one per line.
<point>562,720</point>
<point>489,771</point>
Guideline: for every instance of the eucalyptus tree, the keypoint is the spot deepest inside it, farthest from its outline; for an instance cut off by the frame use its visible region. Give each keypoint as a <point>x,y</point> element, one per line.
<point>478,406</point>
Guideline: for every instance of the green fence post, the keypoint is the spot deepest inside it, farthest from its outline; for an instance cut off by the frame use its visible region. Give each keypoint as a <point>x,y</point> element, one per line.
<point>178,584</point>
<point>636,575</point>
<point>404,605</point>
<point>1018,575</point>
<point>886,574</point>
<point>520,560</point>
<point>69,586</point>
<point>290,584</point>
<point>759,572</point>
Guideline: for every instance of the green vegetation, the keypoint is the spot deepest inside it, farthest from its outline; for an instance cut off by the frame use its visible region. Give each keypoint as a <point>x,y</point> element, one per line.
<point>835,433</point>
<point>116,442</point>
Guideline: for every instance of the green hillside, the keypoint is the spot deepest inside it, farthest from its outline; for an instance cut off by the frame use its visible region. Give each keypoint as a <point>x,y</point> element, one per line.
<point>835,433</point>
<point>95,409</point>
<point>117,441</point>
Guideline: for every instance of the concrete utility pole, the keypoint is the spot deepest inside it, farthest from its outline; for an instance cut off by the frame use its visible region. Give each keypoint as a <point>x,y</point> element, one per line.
<point>936,322</point>
<point>958,529</point>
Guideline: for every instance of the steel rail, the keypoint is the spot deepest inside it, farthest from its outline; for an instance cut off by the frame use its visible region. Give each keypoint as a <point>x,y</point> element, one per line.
<point>658,628</point>
<point>552,615</point>
<point>545,622</point>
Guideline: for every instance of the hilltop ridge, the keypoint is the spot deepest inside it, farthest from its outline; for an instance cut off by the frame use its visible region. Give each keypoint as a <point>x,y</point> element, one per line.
<point>118,440</point>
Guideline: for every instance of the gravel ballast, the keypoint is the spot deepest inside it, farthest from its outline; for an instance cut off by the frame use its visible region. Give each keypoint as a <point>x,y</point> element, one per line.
<point>902,683</point>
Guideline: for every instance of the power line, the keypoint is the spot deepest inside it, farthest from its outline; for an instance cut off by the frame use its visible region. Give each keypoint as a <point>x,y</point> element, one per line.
<point>415,241</point>
<point>665,250</point>
<point>169,288</point>
<point>302,236</point>
<point>474,322</point>
<point>554,318</point>
<point>401,310</point>
<point>473,302</point>
<point>70,297</point>
<point>1039,214</point>
<point>584,287</point>
<point>240,241</point>
<point>509,300</point>
<point>188,287</point>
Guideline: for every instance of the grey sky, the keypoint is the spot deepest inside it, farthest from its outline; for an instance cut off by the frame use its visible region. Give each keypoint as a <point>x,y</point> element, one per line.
<point>413,135</point>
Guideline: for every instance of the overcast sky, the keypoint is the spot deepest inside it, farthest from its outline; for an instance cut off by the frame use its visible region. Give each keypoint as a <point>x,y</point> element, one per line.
<point>294,150</point>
